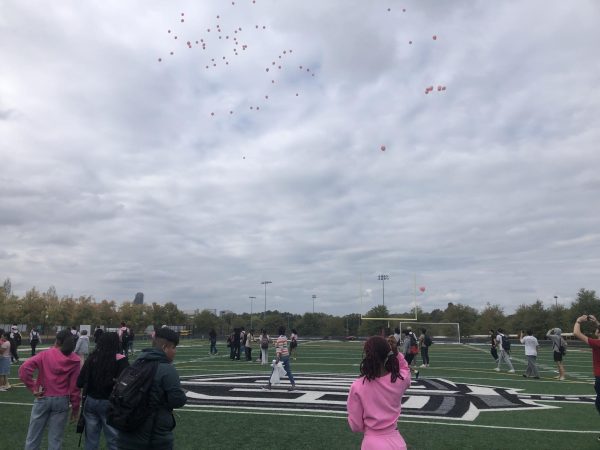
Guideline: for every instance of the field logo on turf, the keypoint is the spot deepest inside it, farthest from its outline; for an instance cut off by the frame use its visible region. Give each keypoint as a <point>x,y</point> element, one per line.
<point>426,398</point>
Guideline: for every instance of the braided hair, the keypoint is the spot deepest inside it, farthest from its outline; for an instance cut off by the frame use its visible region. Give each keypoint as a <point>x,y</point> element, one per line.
<point>379,352</point>
<point>103,362</point>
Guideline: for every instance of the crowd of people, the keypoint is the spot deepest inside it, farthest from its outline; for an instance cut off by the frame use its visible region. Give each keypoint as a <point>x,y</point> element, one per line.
<point>500,349</point>
<point>70,382</point>
<point>68,377</point>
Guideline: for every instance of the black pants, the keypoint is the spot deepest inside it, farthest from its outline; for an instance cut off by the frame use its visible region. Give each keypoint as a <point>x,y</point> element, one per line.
<point>14,353</point>
<point>248,354</point>
<point>33,346</point>
<point>425,354</point>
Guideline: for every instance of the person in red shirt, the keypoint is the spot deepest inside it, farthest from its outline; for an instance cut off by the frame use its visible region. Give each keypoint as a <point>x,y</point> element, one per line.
<point>595,345</point>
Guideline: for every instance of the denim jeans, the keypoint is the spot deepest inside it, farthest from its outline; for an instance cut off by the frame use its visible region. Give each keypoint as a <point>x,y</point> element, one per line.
<point>285,360</point>
<point>95,420</point>
<point>51,411</point>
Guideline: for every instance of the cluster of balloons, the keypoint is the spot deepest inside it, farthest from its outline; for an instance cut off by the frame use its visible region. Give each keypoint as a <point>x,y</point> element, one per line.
<point>231,42</point>
<point>440,88</point>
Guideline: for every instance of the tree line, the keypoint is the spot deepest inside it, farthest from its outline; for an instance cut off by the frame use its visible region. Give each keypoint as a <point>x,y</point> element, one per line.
<point>46,311</point>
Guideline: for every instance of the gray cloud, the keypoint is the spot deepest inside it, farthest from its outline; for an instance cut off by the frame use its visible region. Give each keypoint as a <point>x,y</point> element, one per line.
<point>117,179</point>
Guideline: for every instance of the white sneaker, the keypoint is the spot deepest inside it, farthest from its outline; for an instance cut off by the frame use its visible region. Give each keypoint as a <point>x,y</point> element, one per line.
<point>561,379</point>
<point>422,365</point>
<point>511,371</point>
<point>497,369</point>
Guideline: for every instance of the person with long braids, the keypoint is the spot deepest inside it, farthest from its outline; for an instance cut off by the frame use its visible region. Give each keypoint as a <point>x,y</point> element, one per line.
<point>375,399</point>
<point>97,379</point>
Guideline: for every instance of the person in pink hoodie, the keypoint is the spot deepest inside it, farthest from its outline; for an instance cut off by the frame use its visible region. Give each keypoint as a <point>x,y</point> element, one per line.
<point>375,399</point>
<point>55,386</point>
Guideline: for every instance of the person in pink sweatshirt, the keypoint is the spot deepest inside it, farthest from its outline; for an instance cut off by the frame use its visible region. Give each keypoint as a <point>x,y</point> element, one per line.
<point>55,386</point>
<point>375,399</point>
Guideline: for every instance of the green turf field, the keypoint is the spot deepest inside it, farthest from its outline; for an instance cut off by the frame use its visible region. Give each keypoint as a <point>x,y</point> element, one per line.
<point>460,402</point>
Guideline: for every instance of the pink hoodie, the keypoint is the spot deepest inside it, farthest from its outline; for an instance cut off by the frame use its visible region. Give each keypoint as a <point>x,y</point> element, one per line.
<point>57,374</point>
<point>374,406</point>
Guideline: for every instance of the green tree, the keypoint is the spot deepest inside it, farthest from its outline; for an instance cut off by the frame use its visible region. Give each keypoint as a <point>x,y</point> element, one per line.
<point>33,308</point>
<point>530,317</point>
<point>585,303</point>
<point>375,327</point>
<point>106,313</point>
<point>205,321</point>
<point>491,317</point>
<point>466,316</point>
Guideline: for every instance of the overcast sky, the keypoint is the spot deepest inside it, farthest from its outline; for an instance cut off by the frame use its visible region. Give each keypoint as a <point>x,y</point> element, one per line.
<point>125,168</point>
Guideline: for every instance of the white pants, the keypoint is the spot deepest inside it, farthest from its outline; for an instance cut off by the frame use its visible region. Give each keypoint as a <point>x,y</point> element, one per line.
<point>263,355</point>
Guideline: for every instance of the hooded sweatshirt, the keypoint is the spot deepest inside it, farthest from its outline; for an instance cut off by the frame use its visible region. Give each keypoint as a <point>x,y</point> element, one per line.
<point>57,374</point>
<point>165,395</point>
<point>374,406</point>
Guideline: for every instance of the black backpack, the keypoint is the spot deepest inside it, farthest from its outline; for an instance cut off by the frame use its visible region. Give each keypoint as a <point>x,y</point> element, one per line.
<point>129,406</point>
<point>505,343</point>
<point>427,341</point>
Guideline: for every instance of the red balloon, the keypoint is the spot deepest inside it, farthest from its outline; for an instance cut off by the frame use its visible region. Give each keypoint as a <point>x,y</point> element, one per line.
<point>422,288</point>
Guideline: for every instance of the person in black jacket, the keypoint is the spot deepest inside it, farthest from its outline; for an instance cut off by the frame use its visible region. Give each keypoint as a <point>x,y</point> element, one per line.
<point>165,395</point>
<point>97,378</point>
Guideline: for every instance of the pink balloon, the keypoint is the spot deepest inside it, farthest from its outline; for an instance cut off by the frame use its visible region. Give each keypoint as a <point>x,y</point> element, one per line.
<point>422,288</point>
<point>383,148</point>
<point>434,37</point>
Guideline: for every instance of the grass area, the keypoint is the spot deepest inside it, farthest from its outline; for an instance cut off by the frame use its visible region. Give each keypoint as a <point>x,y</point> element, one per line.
<point>570,423</point>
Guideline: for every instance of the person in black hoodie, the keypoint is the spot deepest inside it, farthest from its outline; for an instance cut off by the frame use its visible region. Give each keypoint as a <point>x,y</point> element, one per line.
<point>165,395</point>
<point>97,379</point>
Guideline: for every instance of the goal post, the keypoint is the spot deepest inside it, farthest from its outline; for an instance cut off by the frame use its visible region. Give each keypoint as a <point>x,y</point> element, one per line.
<point>447,332</point>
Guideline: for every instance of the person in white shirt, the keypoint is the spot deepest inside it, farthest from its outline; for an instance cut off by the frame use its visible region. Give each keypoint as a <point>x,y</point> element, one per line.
<point>531,344</point>
<point>503,353</point>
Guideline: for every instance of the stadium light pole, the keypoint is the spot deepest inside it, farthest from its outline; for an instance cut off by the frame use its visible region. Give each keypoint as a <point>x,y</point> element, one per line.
<point>556,301</point>
<point>251,300</point>
<point>265,283</point>
<point>314,297</point>
<point>382,278</point>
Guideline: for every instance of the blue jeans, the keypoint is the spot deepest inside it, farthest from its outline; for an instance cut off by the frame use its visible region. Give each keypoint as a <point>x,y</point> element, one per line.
<point>51,411</point>
<point>95,420</point>
<point>285,360</point>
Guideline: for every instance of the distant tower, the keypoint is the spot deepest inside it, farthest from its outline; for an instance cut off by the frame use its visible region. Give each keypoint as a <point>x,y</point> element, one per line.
<point>139,299</point>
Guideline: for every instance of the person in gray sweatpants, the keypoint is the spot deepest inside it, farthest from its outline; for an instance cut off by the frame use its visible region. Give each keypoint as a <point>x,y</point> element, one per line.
<point>531,344</point>
<point>503,354</point>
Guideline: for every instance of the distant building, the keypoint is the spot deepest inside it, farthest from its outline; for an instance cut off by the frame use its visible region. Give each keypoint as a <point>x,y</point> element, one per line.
<point>139,299</point>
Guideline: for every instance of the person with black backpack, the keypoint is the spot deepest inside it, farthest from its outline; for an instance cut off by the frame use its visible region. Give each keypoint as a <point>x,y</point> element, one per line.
<point>97,379</point>
<point>34,340</point>
<point>503,345</point>
<point>143,399</point>
<point>14,338</point>
<point>425,342</point>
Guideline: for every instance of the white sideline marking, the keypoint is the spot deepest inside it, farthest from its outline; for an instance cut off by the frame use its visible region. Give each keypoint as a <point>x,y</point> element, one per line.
<point>277,412</point>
